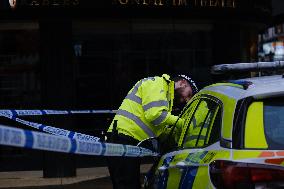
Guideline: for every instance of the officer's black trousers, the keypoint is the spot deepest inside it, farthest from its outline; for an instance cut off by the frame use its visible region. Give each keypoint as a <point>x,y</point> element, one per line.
<point>124,171</point>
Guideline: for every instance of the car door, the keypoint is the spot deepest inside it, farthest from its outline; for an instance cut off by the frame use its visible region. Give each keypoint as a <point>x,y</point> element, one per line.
<point>178,169</point>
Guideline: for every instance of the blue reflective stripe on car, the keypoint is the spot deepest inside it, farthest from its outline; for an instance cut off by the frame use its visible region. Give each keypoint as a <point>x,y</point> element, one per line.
<point>163,177</point>
<point>188,177</point>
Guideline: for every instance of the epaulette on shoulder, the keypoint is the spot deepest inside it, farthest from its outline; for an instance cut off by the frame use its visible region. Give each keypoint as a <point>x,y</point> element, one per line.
<point>166,77</point>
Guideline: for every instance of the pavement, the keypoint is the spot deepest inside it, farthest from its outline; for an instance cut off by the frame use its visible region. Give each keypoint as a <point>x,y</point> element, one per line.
<point>96,177</point>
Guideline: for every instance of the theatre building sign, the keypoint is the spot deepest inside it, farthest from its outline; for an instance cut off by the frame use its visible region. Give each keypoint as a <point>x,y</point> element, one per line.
<point>193,3</point>
<point>260,5</point>
<point>184,3</point>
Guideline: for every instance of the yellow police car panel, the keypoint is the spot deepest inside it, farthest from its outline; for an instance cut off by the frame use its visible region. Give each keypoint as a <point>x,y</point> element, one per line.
<point>233,137</point>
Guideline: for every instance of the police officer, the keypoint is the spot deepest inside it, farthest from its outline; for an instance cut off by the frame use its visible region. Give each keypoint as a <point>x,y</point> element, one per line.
<point>144,113</point>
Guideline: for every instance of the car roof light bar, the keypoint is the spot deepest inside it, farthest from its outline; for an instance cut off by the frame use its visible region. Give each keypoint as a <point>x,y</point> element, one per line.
<point>240,67</point>
<point>243,83</point>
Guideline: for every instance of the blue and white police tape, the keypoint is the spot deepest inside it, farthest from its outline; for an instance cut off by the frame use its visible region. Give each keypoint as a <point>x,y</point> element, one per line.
<point>13,114</point>
<point>55,131</point>
<point>16,113</point>
<point>10,136</point>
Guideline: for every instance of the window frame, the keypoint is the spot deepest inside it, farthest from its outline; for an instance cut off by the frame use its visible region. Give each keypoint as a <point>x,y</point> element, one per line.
<point>238,134</point>
<point>201,98</point>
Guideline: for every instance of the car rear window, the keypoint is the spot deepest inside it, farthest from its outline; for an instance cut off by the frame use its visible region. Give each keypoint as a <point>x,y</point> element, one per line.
<point>274,123</point>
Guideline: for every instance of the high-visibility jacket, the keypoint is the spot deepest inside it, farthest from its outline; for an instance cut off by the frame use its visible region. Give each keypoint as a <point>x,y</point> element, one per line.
<point>146,109</point>
<point>199,121</point>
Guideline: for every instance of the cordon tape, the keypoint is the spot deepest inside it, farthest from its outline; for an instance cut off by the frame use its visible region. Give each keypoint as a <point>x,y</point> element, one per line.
<point>61,140</point>
<point>13,114</point>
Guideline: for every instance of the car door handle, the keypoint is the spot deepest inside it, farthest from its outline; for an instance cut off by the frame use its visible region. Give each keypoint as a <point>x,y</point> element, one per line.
<point>181,165</point>
<point>162,168</point>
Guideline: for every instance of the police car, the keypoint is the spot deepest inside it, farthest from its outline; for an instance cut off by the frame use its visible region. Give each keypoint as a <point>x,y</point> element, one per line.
<point>233,136</point>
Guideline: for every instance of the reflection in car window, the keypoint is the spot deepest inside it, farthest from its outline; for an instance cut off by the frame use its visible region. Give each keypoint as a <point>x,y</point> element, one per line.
<point>200,126</point>
<point>186,114</point>
<point>188,110</point>
<point>274,123</point>
<point>171,135</point>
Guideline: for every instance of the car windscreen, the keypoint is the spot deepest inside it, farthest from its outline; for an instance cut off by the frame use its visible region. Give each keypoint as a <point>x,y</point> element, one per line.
<point>273,116</point>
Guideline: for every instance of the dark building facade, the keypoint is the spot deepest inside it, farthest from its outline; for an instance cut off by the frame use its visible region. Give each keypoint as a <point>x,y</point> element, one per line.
<point>86,54</point>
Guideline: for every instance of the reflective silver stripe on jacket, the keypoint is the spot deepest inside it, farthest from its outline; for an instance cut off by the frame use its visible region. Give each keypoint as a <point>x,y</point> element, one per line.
<point>134,98</point>
<point>132,95</point>
<point>138,121</point>
<point>194,137</point>
<point>161,118</point>
<point>205,124</point>
<point>136,87</point>
<point>155,104</point>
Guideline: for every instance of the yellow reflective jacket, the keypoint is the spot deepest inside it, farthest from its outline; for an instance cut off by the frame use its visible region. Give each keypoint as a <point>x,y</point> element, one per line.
<point>196,125</point>
<point>146,109</point>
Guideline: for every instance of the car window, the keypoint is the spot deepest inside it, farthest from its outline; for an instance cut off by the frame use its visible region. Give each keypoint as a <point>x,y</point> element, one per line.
<point>264,126</point>
<point>274,123</point>
<point>187,111</point>
<point>186,115</point>
<point>203,128</point>
<point>171,136</point>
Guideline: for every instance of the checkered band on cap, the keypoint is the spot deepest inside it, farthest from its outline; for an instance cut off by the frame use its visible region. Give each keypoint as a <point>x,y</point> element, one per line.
<point>191,83</point>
